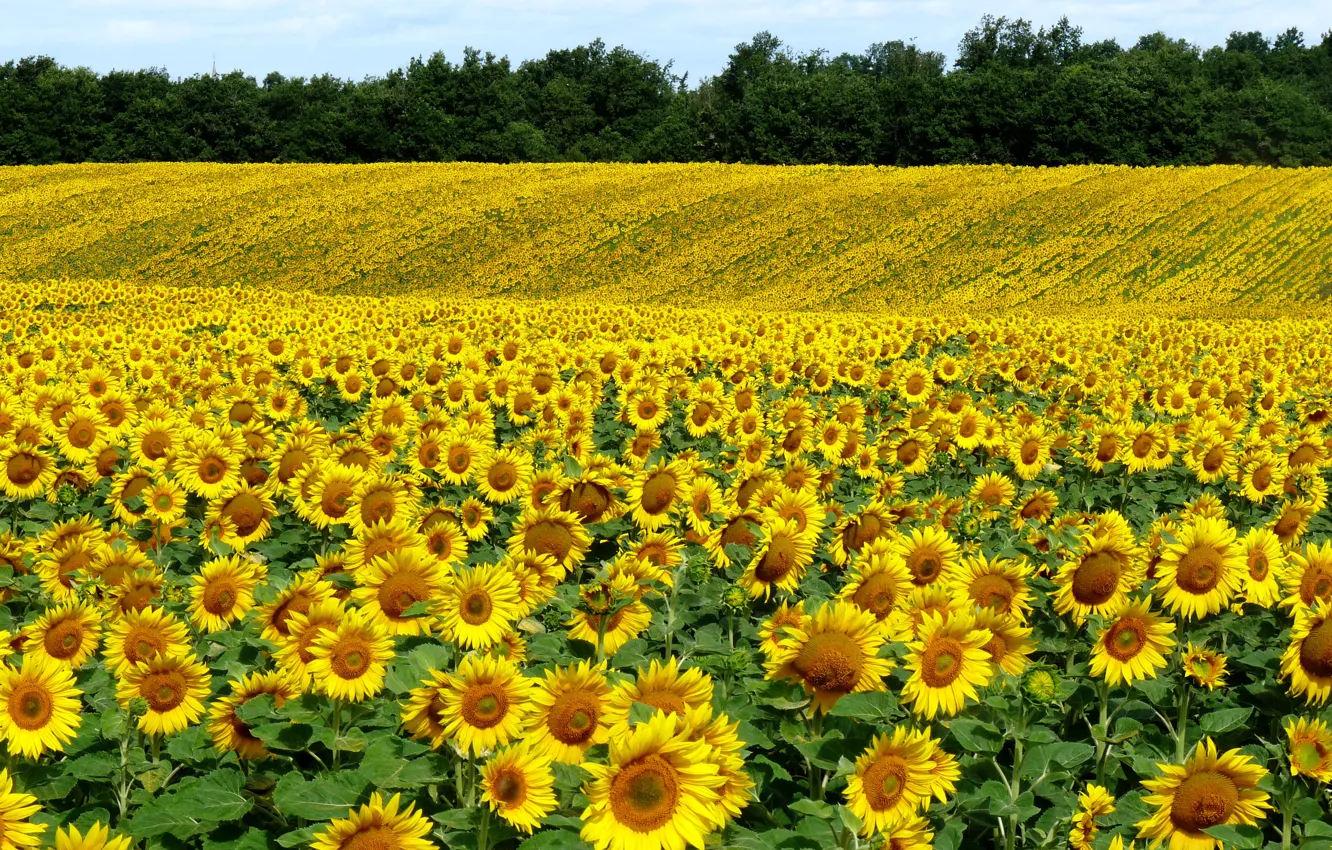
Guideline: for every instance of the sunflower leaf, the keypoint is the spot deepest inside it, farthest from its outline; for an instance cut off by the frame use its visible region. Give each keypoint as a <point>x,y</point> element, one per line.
<point>1224,720</point>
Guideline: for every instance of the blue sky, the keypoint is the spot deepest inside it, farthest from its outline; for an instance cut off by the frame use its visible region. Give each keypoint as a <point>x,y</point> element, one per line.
<point>355,38</point>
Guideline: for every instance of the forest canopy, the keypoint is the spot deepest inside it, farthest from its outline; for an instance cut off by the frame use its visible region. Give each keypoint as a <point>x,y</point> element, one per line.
<point>1014,94</point>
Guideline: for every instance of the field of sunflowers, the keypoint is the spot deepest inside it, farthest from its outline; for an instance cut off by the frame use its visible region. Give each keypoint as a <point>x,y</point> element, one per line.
<point>1221,240</point>
<point>288,569</point>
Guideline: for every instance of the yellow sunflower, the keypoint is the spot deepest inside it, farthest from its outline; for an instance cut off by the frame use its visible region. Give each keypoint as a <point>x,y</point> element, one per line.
<point>1133,644</point>
<point>229,732</point>
<point>486,704</point>
<point>1207,790</point>
<point>28,471</point>
<point>1307,661</point>
<point>879,582</point>
<point>207,466</point>
<point>999,584</point>
<point>568,707</point>
<point>655,492</point>
<point>423,712</point>
<point>39,707</point>
<point>836,654</point>
<point>389,586</point>
<point>948,664</point>
<point>1307,577</point>
<point>1266,562</point>
<point>97,837</point>
<point>1204,666</point>
<point>377,825</point>
<point>558,533</point>
<point>174,687</point>
<point>15,809</point>
<point>348,661</point>
<point>67,634</point>
<point>1309,743</point>
<point>518,784</point>
<point>780,561</point>
<point>659,790</point>
<point>892,781</point>
<point>929,553</point>
<point>503,474</point>
<point>789,615</point>
<point>1202,571</point>
<point>1010,645</point>
<point>222,592</point>
<point>664,687</point>
<point>1101,573</point>
<point>478,605</point>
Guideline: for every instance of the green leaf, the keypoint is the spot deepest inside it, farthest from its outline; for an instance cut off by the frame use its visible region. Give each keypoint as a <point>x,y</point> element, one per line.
<point>250,839</point>
<point>302,837</point>
<point>976,736</point>
<point>322,798</point>
<point>554,839</point>
<point>1216,722</point>
<point>874,706</point>
<point>1237,837</point>
<point>385,765</point>
<point>813,808</point>
<point>196,806</point>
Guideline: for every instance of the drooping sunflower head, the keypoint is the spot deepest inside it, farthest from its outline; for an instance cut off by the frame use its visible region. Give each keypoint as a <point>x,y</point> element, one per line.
<point>232,734</point>
<point>1204,666</point>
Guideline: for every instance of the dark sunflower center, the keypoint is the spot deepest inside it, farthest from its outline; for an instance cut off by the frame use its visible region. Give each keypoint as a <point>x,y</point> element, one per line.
<point>476,607</point>
<point>30,705</point>
<point>1316,650</point>
<point>484,705</point>
<point>1096,578</point>
<point>1204,800</point>
<point>1125,639</point>
<point>63,640</point>
<point>644,794</point>
<point>658,493</point>
<point>991,591</point>
<point>163,691</point>
<point>885,781</point>
<point>1200,570</point>
<point>877,594</point>
<point>350,658</point>
<point>573,718</point>
<point>941,662</point>
<point>831,662</point>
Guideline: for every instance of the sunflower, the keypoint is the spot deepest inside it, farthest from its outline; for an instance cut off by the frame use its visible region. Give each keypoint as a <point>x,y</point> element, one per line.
<point>1266,562</point>
<point>913,833</point>
<point>445,542</point>
<point>789,615</point>
<point>999,584</point>
<point>929,553</point>
<point>348,661</point>
<point>222,593</point>
<point>1307,577</point>
<point>568,707</point>
<point>332,494</point>
<point>207,466</point>
<point>992,492</point>
<point>478,605</point>
<point>295,598</point>
<point>659,790</point>
<point>780,562</point>
<point>382,498</point>
<point>39,707</point>
<point>97,837</point>
<point>475,517</point>
<point>558,533</point>
<point>1261,476</point>
<point>879,582</point>
<point>164,501</point>
<point>836,654</point>
<point>655,491</point>
<point>66,634</point>
<point>377,825</point>
<point>1292,520</point>
<point>1010,645</point>
<point>1309,743</point>
<point>1133,644</point>
<point>503,474</point>
<point>15,809</point>
<point>519,785</point>
<point>891,782</point>
<point>28,471</point>
<point>423,712</point>
<point>948,663</point>
<point>1200,573</point>
<point>174,686</point>
<point>1307,661</point>
<point>379,540</point>
<point>625,624</point>
<point>250,511</point>
<point>486,704</point>
<point>1207,790</point>
<point>391,585</point>
<point>723,740</point>
<point>140,635</point>
<point>1204,666</point>
<point>663,687</point>
<point>1029,450</point>
<point>229,732</point>
<point>1098,577</point>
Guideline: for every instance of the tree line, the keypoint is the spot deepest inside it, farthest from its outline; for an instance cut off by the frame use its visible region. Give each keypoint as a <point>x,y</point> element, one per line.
<point>1014,94</point>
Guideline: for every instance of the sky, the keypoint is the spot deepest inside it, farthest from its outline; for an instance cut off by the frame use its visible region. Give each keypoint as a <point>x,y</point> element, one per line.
<point>357,38</point>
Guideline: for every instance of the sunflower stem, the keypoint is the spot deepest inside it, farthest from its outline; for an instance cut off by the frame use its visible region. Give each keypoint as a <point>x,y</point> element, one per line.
<point>336,724</point>
<point>1015,786</point>
<point>1181,728</point>
<point>157,748</point>
<point>483,838</point>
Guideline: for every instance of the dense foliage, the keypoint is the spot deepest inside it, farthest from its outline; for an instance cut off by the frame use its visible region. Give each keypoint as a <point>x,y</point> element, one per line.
<point>288,570</point>
<point>1014,95</point>
<point>1225,240</point>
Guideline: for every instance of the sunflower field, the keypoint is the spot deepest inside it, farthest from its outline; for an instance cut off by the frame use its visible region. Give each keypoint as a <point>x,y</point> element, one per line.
<point>299,570</point>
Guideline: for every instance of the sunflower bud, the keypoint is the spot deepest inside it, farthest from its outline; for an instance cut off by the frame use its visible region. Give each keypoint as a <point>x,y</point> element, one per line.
<point>597,596</point>
<point>1042,685</point>
<point>736,600</point>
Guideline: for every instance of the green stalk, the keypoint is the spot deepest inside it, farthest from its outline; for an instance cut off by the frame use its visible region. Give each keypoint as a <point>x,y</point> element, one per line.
<point>1015,786</point>
<point>336,724</point>
<point>483,839</point>
<point>1181,728</point>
